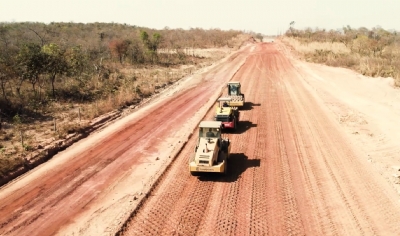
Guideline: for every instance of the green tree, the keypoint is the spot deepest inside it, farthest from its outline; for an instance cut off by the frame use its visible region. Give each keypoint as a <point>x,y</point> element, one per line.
<point>259,36</point>
<point>55,63</point>
<point>151,44</point>
<point>31,64</point>
<point>77,61</point>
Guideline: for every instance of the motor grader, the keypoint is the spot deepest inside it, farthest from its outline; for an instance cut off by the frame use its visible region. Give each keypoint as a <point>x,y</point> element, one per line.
<point>234,92</point>
<point>211,152</point>
<point>229,116</point>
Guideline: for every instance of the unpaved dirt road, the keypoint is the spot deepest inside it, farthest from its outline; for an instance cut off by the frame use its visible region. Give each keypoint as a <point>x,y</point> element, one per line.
<point>305,161</point>
<point>293,170</point>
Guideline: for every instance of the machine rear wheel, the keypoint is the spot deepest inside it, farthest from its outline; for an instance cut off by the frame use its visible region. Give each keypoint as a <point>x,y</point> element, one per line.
<point>226,166</point>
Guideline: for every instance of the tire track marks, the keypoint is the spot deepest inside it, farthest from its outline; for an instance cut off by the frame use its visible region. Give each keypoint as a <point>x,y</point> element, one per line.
<point>307,180</point>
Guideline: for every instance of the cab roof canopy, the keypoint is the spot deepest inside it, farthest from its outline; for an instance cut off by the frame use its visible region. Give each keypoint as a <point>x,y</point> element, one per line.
<point>234,82</point>
<point>224,99</point>
<point>210,124</point>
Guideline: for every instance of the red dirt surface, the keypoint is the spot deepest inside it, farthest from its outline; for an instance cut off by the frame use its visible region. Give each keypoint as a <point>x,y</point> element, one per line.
<point>293,169</point>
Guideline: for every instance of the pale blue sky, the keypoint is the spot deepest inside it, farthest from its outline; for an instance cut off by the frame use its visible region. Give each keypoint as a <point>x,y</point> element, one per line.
<point>261,16</point>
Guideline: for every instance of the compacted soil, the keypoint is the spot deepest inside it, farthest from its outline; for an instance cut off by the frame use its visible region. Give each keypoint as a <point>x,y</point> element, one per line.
<point>313,156</point>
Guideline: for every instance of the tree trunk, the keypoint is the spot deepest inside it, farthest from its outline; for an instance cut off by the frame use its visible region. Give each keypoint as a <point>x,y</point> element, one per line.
<point>53,78</point>
<point>18,87</point>
<point>3,90</point>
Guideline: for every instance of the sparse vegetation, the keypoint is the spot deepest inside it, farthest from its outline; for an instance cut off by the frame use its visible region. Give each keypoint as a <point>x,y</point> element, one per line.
<point>68,74</point>
<point>372,52</point>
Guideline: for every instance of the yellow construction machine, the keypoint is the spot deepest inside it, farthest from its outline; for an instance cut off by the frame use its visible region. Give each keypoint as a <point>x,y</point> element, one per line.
<point>212,151</point>
<point>234,92</point>
<point>228,115</point>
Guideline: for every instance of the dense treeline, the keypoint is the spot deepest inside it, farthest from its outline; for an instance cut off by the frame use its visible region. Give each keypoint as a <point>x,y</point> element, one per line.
<point>372,52</point>
<point>41,63</point>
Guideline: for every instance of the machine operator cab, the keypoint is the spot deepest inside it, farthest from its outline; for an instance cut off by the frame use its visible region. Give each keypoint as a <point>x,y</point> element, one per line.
<point>223,102</point>
<point>234,88</point>
<point>210,129</point>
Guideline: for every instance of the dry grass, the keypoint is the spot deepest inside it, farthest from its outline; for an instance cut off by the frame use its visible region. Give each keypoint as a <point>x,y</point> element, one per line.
<point>375,67</point>
<point>313,47</point>
<point>338,55</point>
